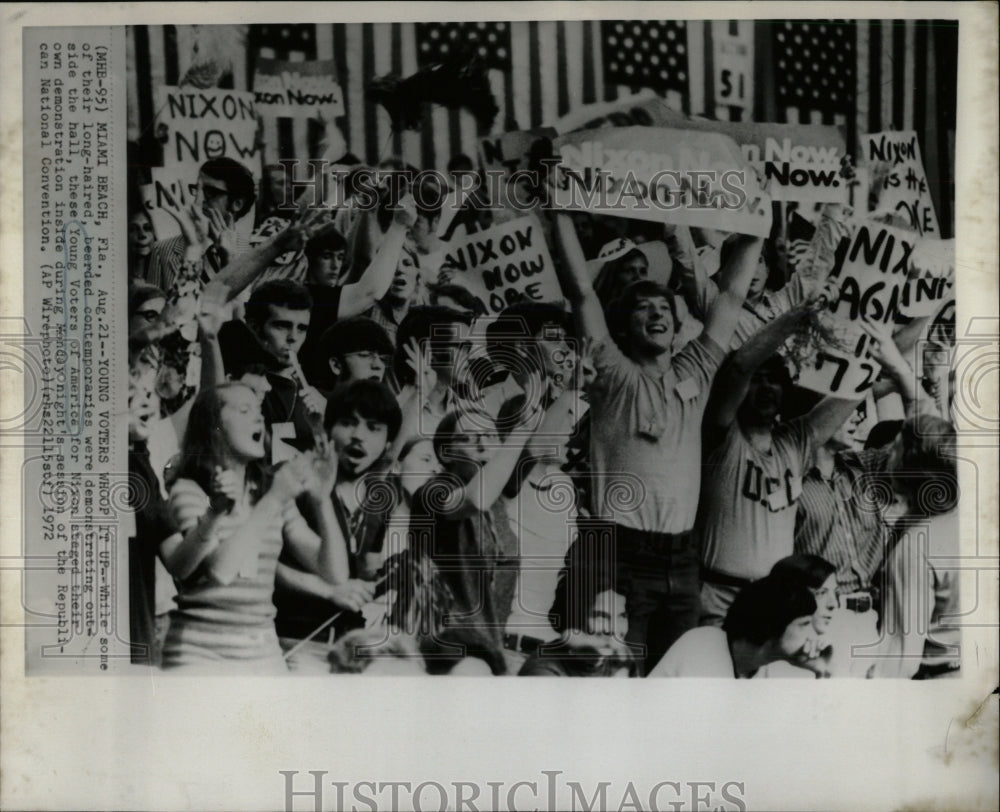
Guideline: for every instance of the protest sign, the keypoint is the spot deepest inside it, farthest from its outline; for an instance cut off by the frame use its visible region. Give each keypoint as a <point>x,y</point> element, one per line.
<point>297,89</point>
<point>801,161</point>
<point>871,271</point>
<point>509,151</point>
<point>210,123</point>
<point>660,175</point>
<point>904,189</point>
<point>506,263</point>
<point>644,109</point>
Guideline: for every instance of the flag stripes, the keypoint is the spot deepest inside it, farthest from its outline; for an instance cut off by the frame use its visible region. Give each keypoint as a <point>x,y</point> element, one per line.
<point>902,75</point>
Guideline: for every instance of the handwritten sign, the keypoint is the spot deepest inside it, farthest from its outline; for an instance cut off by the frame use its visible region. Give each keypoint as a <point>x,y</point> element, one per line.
<point>801,161</point>
<point>205,124</point>
<point>297,89</point>
<point>509,151</point>
<point>871,269</point>
<point>505,264</point>
<point>661,175</point>
<point>905,190</point>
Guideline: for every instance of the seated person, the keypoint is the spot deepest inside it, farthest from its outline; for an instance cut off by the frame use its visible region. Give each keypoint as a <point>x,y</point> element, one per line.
<point>769,620</point>
<point>589,612</point>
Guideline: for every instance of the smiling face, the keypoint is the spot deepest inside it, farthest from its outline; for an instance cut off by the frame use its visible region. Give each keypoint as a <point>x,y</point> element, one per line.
<point>283,332</point>
<point>358,442</point>
<point>242,423</point>
<point>651,326</point>
<point>826,603</point>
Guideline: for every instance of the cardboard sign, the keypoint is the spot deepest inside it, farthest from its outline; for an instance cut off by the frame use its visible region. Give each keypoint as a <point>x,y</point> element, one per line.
<point>661,175</point>
<point>205,124</point>
<point>905,190</point>
<point>504,264</point>
<point>296,89</point>
<point>509,152</point>
<point>801,161</point>
<point>871,269</point>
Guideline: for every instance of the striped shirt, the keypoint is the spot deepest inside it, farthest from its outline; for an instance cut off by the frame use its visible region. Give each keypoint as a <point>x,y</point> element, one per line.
<point>246,601</point>
<point>840,518</point>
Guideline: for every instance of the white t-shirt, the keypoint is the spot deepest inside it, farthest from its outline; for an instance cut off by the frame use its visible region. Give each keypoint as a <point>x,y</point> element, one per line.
<point>700,652</point>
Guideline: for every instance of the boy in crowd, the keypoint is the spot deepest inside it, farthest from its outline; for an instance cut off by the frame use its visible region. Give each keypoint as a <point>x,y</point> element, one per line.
<point>226,192</point>
<point>362,419</point>
<point>646,407</point>
<point>277,315</point>
<point>352,350</point>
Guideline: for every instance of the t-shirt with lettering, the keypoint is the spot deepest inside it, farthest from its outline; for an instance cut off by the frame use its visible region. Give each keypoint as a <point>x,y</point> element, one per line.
<point>746,518</point>
<point>646,436</point>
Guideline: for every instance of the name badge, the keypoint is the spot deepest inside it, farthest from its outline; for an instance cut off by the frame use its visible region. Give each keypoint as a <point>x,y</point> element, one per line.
<point>688,389</point>
<point>280,450</point>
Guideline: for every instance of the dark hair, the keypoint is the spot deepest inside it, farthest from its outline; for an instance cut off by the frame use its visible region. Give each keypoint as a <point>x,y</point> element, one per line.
<point>763,609</point>
<point>204,446</point>
<point>420,323</point>
<point>238,179</point>
<point>522,320</point>
<point>465,298</point>
<point>811,570</point>
<point>355,334</point>
<point>277,293</point>
<point>606,284</point>
<point>141,292</point>
<point>423,597</point>
<point>927,471</point>
<point>445,650</point>
<point>331,240</point>
<point>619,311</point>
<point>588,570</point>
<point>370,399</point>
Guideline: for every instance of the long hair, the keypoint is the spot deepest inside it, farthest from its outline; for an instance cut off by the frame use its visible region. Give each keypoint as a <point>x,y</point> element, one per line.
<point>205,447</point>
<point>423,597</point>
<point>811,570</point>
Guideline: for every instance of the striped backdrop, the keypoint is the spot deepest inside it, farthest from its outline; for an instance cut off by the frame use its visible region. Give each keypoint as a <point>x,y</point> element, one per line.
<point>904,75</point>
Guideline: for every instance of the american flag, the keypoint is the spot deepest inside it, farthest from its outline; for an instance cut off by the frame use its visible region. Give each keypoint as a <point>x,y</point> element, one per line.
<point>647,53</point>
<point>900,75</point>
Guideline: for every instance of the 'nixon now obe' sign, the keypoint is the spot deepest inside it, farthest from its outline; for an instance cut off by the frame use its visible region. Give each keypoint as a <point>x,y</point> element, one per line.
<point>505,264</point>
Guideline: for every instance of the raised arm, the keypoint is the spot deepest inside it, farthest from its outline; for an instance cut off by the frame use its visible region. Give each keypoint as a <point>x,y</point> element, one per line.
<point>358,297</point>
<point>575,280</point>
<point>734,281</point>
<point>733,381</point>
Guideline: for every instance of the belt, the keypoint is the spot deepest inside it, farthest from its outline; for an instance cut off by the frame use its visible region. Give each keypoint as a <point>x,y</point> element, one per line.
<point>860,602</point>
<point>522,643</point>
<point>723,579</point>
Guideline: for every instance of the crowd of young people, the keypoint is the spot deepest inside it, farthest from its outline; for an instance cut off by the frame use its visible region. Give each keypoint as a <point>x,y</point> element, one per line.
<point>351,468</point>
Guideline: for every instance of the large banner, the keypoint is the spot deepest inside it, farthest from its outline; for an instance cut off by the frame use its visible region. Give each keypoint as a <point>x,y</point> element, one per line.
<point>504,264</point>
<point>661,175</point>
<point>297,89</point>
<point>871,269</point>
<point>801,162</point>
<point>904,190</point>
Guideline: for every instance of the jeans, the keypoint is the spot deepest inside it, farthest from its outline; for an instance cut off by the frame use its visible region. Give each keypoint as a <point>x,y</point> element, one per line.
<point>659,575</point>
